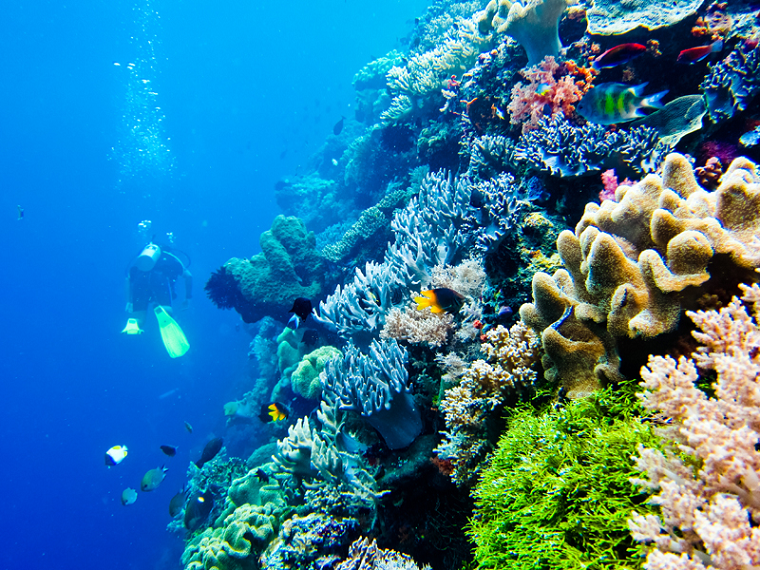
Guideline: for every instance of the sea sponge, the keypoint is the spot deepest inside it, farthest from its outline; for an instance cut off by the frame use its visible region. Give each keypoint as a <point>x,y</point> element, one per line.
<point>288,267</point>
<point>633,266</point>
<point>305,379</point>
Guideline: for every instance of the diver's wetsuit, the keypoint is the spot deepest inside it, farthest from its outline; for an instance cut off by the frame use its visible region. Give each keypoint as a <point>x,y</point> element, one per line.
<point>157,285</point>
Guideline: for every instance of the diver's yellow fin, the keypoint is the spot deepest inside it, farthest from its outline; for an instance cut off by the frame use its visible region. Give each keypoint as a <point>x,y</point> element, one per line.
<point>133,327</point>
<point>174,339</point>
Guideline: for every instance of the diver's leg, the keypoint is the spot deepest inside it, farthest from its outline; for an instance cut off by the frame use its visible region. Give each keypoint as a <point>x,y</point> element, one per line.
<point>140,316</point>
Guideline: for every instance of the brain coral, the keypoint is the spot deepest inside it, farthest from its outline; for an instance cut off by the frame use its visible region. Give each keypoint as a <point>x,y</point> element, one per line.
<point>635,264</point>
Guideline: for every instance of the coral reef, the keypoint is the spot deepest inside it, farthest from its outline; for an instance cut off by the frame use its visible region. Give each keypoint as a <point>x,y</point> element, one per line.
<point>708,481</point>
<point>305,378</point>
<point>633,266</point>
<point>545,89</point>
<point>365,555</point>
<point>732,83</point>
<point>558,147</point>
<point>534,24</point>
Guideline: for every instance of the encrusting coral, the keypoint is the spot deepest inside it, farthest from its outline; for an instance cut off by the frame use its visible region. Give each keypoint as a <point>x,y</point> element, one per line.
<point>635,264</point>
<point>709,481</point>
<point>305,378</point>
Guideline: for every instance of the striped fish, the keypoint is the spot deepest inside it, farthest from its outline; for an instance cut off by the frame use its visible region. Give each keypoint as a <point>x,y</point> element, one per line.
<point>611,103</point>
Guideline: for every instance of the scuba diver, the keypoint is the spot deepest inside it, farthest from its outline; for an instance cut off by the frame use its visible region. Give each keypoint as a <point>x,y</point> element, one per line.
<point>151,279</point>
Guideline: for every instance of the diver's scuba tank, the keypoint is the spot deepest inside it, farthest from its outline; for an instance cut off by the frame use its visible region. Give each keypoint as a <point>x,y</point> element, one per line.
<point>147,259</point>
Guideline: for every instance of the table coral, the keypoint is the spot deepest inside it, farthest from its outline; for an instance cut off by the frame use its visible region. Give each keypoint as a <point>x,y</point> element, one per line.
<point>611,17</point>
<point>633,266</point>
<point>533,23</point>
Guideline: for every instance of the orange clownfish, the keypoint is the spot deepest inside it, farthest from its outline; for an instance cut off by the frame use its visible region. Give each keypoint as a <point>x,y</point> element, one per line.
<point>440,300</point>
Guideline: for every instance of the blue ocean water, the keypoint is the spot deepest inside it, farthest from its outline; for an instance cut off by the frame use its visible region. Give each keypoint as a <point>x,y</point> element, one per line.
<point>221,101</point>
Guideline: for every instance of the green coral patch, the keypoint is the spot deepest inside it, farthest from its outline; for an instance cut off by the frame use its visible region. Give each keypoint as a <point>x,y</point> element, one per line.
<point>557,493</point>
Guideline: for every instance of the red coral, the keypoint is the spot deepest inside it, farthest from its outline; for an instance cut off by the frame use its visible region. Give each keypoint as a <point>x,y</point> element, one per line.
<point>552,87</point>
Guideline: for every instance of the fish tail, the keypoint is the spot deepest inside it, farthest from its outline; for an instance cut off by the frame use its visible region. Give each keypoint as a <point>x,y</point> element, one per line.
<point>655,100</point>
<point>717,45</point>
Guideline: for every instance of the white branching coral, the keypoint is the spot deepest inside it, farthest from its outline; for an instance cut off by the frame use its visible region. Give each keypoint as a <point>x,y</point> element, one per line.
<point>710,502</point>
<point>416,326</point>
<point>484,386</point>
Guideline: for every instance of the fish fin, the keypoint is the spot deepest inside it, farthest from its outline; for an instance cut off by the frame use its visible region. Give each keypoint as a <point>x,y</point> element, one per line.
<point>293,322</point>
<point>638,90</point>
<point>655,100</point>
<point>436,309</point>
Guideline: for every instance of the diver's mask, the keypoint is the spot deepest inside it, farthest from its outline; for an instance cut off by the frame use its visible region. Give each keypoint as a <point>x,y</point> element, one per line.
<point>147,259</point>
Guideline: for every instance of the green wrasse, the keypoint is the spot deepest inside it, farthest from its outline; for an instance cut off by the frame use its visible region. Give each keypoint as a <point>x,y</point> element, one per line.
<point>611,103</point>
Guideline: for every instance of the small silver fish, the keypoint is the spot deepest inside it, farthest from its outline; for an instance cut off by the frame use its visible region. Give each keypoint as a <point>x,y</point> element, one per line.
<point>128,496</point>
<point>153,478</point>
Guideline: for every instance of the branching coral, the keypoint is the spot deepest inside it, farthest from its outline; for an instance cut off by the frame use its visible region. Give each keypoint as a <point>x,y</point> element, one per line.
<point>416,326</point>
<point>377,386</point>
<point>562,149</point>
<point>418,83</point>
<point>485,384</point>
<point>364,554</point>
<point>709,494</point>
<point>633,265</point>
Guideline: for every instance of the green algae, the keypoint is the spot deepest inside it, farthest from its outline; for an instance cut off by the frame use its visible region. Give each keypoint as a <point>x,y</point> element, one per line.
<point>556,493</point>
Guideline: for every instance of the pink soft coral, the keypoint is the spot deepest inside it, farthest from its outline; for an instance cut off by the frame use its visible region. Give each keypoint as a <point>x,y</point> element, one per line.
<point>711,502</point>
<point>548,90</point>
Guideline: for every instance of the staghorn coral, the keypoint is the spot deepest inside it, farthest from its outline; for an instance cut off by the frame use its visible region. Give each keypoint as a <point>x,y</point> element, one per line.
<point>483,388</point>
<point>709,489</point>
<point>634,265</point>
<point>377,386</point>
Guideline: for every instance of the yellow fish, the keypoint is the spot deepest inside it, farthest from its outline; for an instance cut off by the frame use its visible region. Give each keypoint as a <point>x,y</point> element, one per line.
<point>440,301</point>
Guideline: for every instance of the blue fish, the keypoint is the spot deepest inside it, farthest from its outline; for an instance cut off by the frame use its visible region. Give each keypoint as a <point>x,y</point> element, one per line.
<point>611,103</point>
